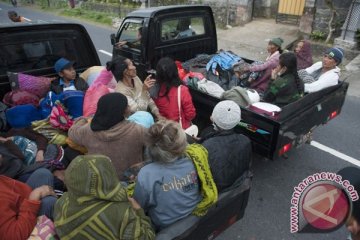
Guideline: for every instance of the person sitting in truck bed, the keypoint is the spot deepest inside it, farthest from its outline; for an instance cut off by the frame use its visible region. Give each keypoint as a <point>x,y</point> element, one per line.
<point>168,188</point>
<point>96,205</point>
<point>323,74</point>
<point>167,98</point>
<point>229,152</point>
<point>129,84</point>
<point>110,134</point>
<point>285,86</point>
<point>67,78</point>
<point>22,203</point>
<point>303,54</point>
<point>274,50</point>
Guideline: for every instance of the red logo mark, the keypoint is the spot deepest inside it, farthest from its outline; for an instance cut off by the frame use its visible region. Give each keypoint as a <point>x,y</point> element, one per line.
<point>325,206</point>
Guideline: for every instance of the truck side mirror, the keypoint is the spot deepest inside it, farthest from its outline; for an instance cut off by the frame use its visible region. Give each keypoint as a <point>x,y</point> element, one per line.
<point>112,39</point>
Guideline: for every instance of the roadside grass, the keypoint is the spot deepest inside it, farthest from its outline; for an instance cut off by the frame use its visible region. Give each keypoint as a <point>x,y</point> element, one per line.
<point>61,8</point>
<point>98,17</point>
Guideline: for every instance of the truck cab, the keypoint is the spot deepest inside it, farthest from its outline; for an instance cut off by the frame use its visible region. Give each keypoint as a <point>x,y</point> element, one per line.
<point>181,32</point>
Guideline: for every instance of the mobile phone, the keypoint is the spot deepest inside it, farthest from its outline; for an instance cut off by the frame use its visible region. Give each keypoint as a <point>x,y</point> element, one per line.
<point>152,72</point>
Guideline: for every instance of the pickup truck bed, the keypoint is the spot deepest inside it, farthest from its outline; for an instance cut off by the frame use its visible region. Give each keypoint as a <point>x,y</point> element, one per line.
<point>285,130</point>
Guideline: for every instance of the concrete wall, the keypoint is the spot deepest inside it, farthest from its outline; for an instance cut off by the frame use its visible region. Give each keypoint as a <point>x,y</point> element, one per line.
<point>323,15</point>
<point>232,12</point>
<point>265,8</point>
<point>226,12</point>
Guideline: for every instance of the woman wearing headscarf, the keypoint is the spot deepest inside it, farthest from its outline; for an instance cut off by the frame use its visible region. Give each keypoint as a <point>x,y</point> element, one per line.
<point>303,54</point>
<point>168,189</point>
<point>131,86</point>
<point>274,50</point>
<point>110,134</point>
<point>96,205</point>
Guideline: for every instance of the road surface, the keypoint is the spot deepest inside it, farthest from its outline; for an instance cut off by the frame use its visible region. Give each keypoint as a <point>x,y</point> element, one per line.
<point>268,212</point>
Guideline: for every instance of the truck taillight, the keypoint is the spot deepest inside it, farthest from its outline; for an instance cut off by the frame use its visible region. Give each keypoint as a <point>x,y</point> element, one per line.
<point>333,114</point>
<point>285,149</point>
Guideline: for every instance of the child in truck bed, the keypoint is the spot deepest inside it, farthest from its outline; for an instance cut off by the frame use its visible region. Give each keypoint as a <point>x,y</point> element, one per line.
<point>67,78</point>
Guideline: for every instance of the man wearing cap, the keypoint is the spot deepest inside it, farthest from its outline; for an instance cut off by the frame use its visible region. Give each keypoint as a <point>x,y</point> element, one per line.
<point>324,73</point>
<point>67,78</point>
<point>229,152</point>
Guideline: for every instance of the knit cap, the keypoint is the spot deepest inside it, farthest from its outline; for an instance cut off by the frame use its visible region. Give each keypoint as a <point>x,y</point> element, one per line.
<point>226,114</point>
<point>336,53</point>
<point>277,41</point>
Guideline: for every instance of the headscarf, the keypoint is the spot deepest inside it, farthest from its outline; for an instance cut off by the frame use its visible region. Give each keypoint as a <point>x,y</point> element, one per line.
<point>110,111</point>
<point>143,118</point>
<point>304,56</point>
<point>96,204</point>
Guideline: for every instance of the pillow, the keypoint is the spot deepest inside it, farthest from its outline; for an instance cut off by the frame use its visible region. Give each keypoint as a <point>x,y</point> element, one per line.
<point>36,85</point>
<point>21,116</point>
<point>20,97</point>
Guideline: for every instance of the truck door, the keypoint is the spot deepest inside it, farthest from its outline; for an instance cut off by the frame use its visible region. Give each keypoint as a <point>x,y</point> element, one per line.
<point>129,42</point>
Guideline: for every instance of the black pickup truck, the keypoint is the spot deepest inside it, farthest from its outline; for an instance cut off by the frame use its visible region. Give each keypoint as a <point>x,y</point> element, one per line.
<point>34,48</point>
<point>271,136</point>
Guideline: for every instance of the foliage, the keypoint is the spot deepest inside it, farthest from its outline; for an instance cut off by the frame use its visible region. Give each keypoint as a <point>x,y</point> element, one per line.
<point>318,35</point>
<point>98,17</point>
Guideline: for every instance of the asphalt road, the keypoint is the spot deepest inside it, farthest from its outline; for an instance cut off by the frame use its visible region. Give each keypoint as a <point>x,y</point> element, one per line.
<point>268,212</point>
<point>100,34</point>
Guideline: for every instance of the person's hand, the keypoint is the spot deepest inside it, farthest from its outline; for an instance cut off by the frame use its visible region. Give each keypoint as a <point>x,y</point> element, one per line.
<point>245,69</point>
<point>120,44</point>
<point>148,83</point>
<point>3,139</point>
<point>158,117</point>
<point>41,192</point>
<point>135,205</point>
<point>274,72</point>
<point>39,156</point>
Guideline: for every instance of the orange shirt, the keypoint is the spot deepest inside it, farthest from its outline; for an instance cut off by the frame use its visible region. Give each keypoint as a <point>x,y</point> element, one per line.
<point>18,213</point>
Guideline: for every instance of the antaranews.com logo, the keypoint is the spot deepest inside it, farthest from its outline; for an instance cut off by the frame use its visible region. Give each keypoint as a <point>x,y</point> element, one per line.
<point>321,203</point>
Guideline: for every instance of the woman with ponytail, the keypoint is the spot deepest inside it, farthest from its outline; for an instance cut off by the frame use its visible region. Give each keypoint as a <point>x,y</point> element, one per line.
<point>286,86</point>
<point>129,84</point>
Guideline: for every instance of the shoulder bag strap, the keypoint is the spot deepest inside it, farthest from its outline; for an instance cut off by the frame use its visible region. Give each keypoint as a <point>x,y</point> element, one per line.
<point>179,105</point>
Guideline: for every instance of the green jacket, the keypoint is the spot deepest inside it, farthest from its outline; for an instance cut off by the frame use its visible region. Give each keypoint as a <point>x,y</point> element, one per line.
<point>284,90</point>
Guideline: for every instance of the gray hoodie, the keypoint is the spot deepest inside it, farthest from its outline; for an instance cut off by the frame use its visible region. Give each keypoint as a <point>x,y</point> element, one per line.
<point>168,192</point>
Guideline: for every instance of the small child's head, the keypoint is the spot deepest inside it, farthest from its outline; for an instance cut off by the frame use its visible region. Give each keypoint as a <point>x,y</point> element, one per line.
<point>65,69</point>
<point>352,174</point>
